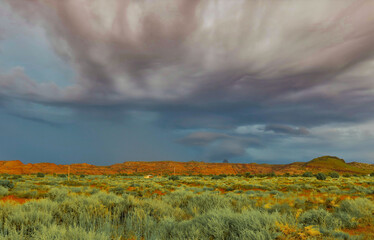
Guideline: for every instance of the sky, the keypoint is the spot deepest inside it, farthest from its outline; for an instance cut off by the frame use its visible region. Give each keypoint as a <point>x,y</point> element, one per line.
<point>109,81</point>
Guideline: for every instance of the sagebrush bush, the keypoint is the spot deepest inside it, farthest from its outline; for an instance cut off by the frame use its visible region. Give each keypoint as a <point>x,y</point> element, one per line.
<point>223,224</point>
<point>131,207</point>
<point>321,176</point>
<point>307,174</point>
<point>358,208</point>
<point>6,183</point>
<point>3,191</point>
<point>174,178</point>
<point>334,175</point>
<point>319,217</point>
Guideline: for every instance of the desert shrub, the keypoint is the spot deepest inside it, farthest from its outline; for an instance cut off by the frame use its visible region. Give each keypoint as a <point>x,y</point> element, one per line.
<point>196,209</point>
<point>306,186</point>
<point>26,193</point>
<point>345,219</point>
<point>6,183</point>
<point>77,189</point>
<point>319,217</point>
<point>334,175</point>
<point>62,175</point>
<point>294,187</point>
<point>200,204</point>
<point>74,183</point>
<point>56,232</point>
<point>58,194</point>
<point>217,177</point>
<point>281,208</point>
<point>3,191</point>
<point>178,199</point>
<point>275,192</point>
<point>40,175</point>
<point>14,177</point>
<point>248,175</point>
<point>338,235</point>
<point>174,178</point>
<point>321,176</point>
<point>330,189</point>
<point>358,208</point>
<point>222,225</point>
<point>117,190</point>
<point>229,189</point>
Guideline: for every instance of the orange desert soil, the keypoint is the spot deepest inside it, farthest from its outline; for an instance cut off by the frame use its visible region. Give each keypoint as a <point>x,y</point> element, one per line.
<point>180,168</point>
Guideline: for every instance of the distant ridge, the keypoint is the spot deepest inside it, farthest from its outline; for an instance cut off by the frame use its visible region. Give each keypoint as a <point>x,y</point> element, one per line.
<point>320,164</point>
<point>333,163</point>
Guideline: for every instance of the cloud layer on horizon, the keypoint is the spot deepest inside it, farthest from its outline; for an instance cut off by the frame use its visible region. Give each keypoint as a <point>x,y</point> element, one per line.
<point>288,67</point>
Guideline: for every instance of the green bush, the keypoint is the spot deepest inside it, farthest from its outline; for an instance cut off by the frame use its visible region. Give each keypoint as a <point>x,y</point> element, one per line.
<point>307,174</point>
<point>321,176</point>
<point>217,177</point>
<point>14,177</point>
<point>117,190</point>
<point>248,175</point>
<point>222,225</point>
<point>40,175</point>
<point>334,175</point>
<point>358,208</point>
<point>103,207</point>
<point>319,217</point>
<point>3,191</point>
<point>6,183</point>
<point>174,178</point>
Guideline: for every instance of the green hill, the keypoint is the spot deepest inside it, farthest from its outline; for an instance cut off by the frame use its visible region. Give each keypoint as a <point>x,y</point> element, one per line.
<point>334,164</point>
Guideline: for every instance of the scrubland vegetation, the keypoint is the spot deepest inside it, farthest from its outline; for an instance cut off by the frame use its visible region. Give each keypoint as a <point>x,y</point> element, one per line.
<point>187,207</point>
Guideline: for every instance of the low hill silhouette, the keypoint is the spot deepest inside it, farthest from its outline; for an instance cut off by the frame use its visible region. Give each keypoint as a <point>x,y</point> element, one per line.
<point>333,163</point>
<point>320,164</point>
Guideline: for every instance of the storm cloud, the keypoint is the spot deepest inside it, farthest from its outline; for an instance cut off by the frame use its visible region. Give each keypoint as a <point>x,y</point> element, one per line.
<point>193,51</point>
<point>218,146</point>
<point>289,66</point>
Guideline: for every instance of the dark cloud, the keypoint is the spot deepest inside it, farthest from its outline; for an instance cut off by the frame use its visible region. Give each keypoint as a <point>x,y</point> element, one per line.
<point>286,129</point>
<point>192,54</point>
<point>206,64</point>
<point>202,138</point>
<point>217,146</point>
<point>225,149</point>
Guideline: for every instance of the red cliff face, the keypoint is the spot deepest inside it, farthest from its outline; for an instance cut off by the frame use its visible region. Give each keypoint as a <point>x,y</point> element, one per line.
<point>160,168</point>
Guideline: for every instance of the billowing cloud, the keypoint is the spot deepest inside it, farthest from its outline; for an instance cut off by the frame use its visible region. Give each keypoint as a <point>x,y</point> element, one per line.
<point>197,53</point>
<point>259,67</point>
